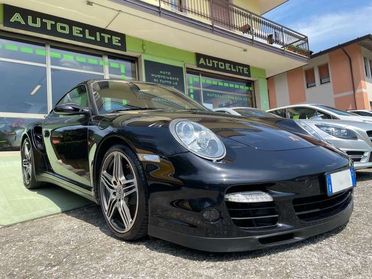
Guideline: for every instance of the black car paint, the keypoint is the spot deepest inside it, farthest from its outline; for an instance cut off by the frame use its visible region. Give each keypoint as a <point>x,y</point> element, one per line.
<point>182,185</point>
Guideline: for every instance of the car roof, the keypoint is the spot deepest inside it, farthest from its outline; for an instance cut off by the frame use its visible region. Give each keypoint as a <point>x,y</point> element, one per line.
<point>249,108</point>
<point>298,105</point>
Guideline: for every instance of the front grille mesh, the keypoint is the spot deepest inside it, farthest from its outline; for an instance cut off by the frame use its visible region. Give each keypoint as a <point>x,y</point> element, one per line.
<point>356,156</point>
<point>320,207</point>
<point>253,215</point>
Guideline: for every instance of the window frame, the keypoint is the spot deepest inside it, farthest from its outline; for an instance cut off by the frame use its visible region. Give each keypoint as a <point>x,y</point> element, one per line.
<point>70,91</point>
<point>367,67</point>
<point>48,44</point>
<point>310,85</point>
<point>206,74</point>
<point>329,74</point>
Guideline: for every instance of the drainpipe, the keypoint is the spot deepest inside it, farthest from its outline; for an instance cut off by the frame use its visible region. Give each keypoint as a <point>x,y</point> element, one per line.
<point>352,75</point>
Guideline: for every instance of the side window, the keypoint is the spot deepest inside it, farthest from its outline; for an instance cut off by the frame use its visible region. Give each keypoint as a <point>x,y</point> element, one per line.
<point>323,115</point>
<point>77,96</point>
<point>301,113</point>
<point>279,112</point>
<point>310,78</point>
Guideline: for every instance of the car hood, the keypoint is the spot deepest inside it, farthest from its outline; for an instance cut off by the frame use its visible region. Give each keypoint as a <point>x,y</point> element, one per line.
<point>256,133</point>
<point>365,119</point>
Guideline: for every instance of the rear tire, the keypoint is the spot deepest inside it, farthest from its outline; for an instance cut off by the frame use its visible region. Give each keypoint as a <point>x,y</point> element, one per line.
<point>122,193</point>
<point>28,166</point>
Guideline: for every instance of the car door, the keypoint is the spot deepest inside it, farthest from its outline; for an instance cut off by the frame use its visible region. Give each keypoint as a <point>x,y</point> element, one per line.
<point>66,136</point>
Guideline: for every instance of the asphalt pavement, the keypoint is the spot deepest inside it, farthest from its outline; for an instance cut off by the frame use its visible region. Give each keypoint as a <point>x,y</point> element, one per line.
<point>77,244</point>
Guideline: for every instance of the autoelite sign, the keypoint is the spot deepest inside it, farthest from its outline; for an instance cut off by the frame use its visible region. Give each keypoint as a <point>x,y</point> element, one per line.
<point>222,65</point>
<point>28,20</point>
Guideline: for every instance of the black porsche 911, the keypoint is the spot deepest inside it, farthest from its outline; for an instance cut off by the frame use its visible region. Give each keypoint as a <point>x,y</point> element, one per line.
<point>160,164</point>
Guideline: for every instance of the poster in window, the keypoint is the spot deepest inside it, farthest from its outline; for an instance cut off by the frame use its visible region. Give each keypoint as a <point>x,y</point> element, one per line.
<point>165,74</point>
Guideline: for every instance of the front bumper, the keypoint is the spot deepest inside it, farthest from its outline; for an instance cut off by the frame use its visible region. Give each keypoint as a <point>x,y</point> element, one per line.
<point>183,187</point>
<point>249,243</point>
<point>359,151</point>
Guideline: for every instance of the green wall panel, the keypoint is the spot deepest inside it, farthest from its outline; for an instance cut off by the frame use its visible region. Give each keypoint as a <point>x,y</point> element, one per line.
<point>1,14</point>
<point>258,72</point>
<point>151,49</point>
<point>263,93</point>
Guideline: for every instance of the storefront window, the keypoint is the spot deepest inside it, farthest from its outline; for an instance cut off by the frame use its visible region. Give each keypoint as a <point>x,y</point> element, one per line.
<point>64,80</point>
<point>76,60</point>
<point>22,51</point>
<point>215,92</point>
<point>23,88</point>
<point>11,131</point>
<point>24,72</point>
<point>122,69</point>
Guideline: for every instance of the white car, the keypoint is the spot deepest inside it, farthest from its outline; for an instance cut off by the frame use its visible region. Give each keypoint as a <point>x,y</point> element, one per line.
<point>348,132</point>
<point>317,112</point>
<point>246,111</point>
<point>361,112</point>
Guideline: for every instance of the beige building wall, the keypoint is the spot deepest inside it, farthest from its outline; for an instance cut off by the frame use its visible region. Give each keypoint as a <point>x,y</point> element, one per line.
<point>253,6</point>
<point>321,93</point>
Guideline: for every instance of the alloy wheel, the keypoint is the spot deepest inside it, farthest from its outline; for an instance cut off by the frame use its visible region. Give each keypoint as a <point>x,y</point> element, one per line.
<point>119,191</point>
<point>26,162</point>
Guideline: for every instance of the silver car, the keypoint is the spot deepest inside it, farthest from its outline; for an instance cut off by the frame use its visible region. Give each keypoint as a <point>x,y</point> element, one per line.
<point>314,111</point>
<point>361,112</point>
<point>352,137</point>
<point>346,131</point>
<point>246,111</point>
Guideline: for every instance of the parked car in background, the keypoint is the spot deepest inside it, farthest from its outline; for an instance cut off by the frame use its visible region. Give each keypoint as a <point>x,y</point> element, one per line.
<point>352,137</point>
<point>247,112</point>
<point>361,112</point>
<point>346,131</point>
<point>317,112</point>
<point>11,131</point>
<point>257,114</point>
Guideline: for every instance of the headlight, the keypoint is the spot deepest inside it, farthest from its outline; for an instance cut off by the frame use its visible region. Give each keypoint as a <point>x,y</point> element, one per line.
<point>198,139</point>
<point>338,132</point>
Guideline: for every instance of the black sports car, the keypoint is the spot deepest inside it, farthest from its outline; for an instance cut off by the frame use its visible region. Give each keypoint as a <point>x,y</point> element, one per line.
<point>159,163</point>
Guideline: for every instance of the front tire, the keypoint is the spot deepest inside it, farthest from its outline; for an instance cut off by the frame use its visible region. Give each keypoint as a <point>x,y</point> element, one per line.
<point>28,167</point>
<point>123,193</point>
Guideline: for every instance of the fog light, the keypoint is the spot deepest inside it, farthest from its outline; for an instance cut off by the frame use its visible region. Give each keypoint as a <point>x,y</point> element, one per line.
<point>249,197</point>
<point>211,214</point>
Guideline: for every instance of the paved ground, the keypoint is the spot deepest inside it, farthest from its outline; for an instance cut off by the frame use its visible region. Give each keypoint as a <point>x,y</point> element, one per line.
<point>77,244</point>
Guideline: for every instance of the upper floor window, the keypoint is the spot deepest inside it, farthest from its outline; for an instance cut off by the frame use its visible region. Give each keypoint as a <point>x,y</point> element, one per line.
<point>324,74</point>
<point>367,67</point>
<point>310,78</point>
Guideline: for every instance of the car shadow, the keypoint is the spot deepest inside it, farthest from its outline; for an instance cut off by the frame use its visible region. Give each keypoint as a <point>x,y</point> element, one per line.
<point>364,175</point>
<point>92,214</point>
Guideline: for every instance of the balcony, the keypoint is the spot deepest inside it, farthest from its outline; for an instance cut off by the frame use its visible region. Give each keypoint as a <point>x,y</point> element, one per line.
<point>230,21</point>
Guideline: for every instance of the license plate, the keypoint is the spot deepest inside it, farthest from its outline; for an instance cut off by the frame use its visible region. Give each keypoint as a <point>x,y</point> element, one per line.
<point>339,181</point>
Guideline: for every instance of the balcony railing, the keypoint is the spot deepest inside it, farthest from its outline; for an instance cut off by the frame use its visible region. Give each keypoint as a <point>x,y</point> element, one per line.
<point>221,14</point>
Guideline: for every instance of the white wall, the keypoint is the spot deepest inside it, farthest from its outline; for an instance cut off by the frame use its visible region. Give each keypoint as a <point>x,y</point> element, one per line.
<point>321,93</point>
<point>281,89</point>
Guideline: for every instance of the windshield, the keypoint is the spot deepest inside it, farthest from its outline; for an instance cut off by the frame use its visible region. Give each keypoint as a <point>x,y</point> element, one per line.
<point>111,96</point>
<point>255,113</point>
<point>337,111</point>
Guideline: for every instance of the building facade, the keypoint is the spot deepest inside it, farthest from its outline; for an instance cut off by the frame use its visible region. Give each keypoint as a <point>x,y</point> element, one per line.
<point>340,77</point>
<point>218,52</point>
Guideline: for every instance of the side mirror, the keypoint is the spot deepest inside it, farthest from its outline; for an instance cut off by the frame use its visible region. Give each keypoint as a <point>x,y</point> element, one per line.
<point>70,109</point>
